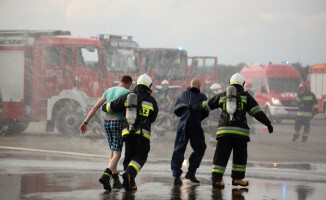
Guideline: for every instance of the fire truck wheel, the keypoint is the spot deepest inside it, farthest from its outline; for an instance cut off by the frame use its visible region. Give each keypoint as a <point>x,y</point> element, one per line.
<point>69,120</point>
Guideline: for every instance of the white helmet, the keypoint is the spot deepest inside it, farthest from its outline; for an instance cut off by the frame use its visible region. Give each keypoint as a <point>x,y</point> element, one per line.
<point>237,79</point>
<point>165,82</point>
<point>215,86</point>
<point>144,80</point>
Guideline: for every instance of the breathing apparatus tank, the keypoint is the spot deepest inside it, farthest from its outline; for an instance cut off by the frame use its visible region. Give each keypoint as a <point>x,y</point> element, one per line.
<point>131,109</point>
<point>231,100</point>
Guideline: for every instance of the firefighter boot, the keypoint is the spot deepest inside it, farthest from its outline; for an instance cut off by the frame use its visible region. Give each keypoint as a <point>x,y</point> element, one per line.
<point>191,176</point>
<point>240,182</point>
<point>177,180</point>
<point>105,179</point>
<point>129,182</point>
<point>116,182</point>
<point>217,181</point>
<point>238,193</point>
<point>304,138</point>
<point>295,137</point>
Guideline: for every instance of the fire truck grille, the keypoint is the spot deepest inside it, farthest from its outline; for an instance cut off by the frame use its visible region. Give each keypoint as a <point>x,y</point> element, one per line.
<point>290,103</point>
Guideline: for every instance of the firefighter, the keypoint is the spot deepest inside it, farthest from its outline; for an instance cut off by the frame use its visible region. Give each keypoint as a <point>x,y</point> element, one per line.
<point>112,123</point>
<point>250,120</point>
<point>233,131</point>
<point>137,133</point>
<point>164,118</point>
<point>189,128</point>
<point>307,108</point>
<point>213,118</point>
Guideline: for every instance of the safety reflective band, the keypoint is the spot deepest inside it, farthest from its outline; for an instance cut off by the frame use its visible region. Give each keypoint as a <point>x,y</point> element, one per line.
<point>316,106</point>
<point>108,107</point>
<point>238,169</point>
<point>307,98</point>
<point>232,130</point>
<point>305,114</point>
<point>238,82</point>
<point>107,174</point>
<point>145,133</point>
<point>243,100</point>
<point>222,101</point>
<point>135,165</point>
<point>218,169</point>
<point>253,111</point>
<point>203,104</point>
<point>139,82</point>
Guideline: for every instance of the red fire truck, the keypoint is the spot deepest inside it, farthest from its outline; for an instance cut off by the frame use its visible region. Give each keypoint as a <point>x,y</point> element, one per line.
<point>275,87</point>
<point>45,76</point>
<point>204,68</point>
<point>317,76</point>
<point>166,64</point>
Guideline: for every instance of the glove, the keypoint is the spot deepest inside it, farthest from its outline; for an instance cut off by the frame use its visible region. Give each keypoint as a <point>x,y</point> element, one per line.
<point>270,128</point>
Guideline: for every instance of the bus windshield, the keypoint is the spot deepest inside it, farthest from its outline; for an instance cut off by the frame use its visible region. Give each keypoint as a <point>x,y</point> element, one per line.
<point>168,64</point>
<point>121,61</point>
<point>283,84</point>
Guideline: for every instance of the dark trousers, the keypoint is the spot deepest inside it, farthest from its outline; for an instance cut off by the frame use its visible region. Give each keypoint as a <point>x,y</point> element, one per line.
<point>302,121</point>
<point>222,154</point>
<point>197,143</point>
<point>136,149</point>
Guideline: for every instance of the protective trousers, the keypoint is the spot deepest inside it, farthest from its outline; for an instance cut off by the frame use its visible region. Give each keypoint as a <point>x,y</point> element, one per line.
<point>302,121</point>
<point>136,152</point>
<point>222,153</point>
<point>197,143</point>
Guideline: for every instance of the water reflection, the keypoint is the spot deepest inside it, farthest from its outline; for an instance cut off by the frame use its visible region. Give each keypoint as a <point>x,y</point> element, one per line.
<point>183,192</point>
<point>304,192</point>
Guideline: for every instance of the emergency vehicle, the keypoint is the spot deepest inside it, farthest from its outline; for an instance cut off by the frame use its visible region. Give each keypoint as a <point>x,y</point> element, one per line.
<point>204,68</point>
<point>166,64</point>
<point>317,76</point>
<point>45,76</point>
<point>275,87</point>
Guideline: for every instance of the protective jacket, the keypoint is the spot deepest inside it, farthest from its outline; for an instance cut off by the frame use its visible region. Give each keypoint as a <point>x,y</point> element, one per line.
<point>238,126</point>
<point>147,111</point>
<point>307,104</point>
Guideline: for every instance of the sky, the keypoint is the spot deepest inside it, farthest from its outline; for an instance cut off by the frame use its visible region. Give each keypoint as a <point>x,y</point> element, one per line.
<point>236,31</point>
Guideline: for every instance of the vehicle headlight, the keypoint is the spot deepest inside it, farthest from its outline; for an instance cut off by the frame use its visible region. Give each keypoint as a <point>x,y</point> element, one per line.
<point>276,102</point>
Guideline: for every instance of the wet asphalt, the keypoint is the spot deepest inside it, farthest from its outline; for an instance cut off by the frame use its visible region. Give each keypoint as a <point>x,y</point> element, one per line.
<point>37,175</point>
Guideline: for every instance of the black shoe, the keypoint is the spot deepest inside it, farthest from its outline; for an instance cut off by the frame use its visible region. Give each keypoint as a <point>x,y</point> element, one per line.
<point>295,137</point>
<point>177,180</point>
<point>116,181</point>
<point>192,177</point>
<point>105,179</point>
<point>217,184</point>
<point>129,182</point>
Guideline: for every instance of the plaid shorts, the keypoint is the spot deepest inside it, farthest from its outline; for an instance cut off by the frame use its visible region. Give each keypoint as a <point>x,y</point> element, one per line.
<point>113,134</point>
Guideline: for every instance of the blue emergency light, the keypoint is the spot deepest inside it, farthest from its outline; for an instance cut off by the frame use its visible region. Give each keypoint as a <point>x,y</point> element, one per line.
<point>101,36</point>
<point>180,48</point>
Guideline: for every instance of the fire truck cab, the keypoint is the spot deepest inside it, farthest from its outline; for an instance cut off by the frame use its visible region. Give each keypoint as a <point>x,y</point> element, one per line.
<point>46,75</point>
<point>275,87</point>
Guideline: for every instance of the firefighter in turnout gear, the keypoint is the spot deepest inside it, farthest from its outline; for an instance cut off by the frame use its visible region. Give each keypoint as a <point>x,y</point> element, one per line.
<point>307,107</point>
<point>233,131</point>
<point>137,133</point>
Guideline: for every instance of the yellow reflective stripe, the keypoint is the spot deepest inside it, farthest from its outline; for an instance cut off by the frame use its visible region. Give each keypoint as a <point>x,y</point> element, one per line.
<point>107,174</point>
<point>124,132</point>
<point>125,104</point>
<point>203,104</point>
<point>232,132</point>
<point>238,169</point>
<point>144,134</point>
<point>134,166</point>
<point>108,107</point>
<point>147,107</point>
<point>218,171</point>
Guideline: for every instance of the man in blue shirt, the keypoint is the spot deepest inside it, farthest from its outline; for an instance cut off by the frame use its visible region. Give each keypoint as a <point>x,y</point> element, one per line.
<point>112,125</point>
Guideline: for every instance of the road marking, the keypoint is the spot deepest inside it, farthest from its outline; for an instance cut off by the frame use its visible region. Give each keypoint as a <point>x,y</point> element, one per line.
<point>54,152</point>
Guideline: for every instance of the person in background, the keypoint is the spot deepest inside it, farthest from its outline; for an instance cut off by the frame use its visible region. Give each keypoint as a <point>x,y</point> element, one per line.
<point>307,108</point>
<point>112,125</point>
<point>137,133</point>
<point>189,128</point>
<point>232,131</point>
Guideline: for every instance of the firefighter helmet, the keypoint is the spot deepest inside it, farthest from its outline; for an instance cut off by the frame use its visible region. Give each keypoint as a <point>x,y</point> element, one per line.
<point>144,80</point>
<point>165,82</point>
<point>215,86</point>
<point>237,79</point>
